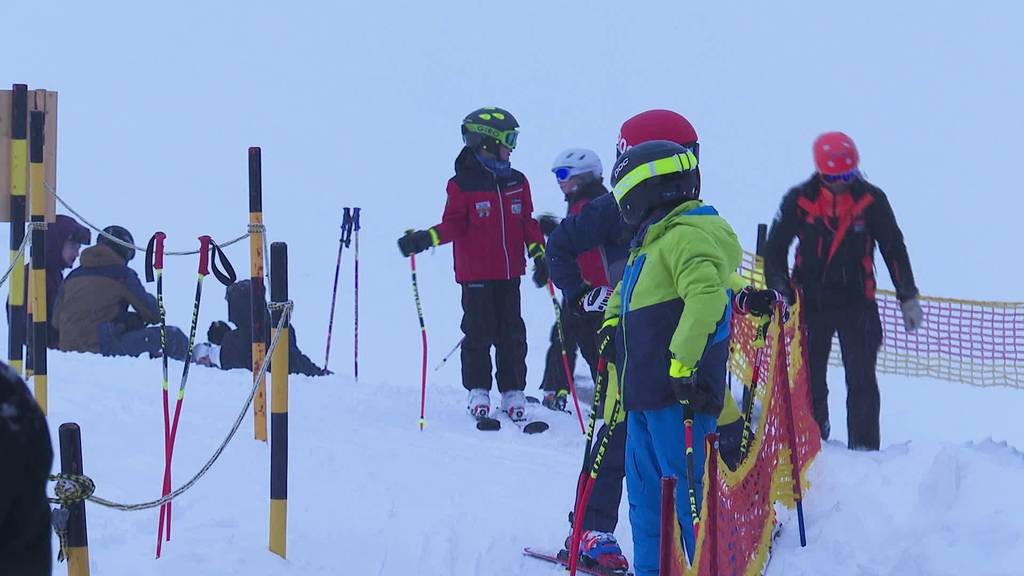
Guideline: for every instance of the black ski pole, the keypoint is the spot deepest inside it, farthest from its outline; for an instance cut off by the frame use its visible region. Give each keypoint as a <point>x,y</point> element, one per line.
<point>346,229</point>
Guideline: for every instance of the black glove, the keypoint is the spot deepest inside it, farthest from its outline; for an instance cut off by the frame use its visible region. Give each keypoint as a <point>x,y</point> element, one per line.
<point>215,334</point>
<point>540,272</point>
<point>606,340</point>
<point>757,302</point>
<point>548,223</point>
<point>415,241</point>
<point>689,392</point>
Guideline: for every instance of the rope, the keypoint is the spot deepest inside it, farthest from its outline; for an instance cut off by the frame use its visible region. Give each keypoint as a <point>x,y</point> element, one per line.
<point>17,258</point>
<point>99,231</point>
<point>78,488</point>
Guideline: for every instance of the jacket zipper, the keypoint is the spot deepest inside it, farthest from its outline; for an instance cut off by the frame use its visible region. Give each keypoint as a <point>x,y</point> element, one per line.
<point>504,243</point>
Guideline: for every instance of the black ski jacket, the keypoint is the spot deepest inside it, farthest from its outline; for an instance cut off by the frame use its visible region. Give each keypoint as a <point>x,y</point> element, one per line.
<point>837,235</point>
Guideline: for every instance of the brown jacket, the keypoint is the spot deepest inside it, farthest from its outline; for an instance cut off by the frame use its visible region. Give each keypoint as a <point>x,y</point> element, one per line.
<point>100,290</point>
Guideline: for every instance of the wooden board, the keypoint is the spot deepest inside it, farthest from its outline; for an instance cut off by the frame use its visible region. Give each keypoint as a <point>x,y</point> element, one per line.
<point>45,101</point>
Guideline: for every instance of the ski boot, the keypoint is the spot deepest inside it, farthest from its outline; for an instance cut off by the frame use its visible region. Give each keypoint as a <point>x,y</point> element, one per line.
<point>513,403</point>
<point>599,551</point>
<point>555,400</point>
<point>479,405</point>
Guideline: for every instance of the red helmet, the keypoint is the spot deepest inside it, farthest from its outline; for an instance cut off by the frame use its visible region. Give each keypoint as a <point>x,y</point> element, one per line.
<point>835,154</point>
<point>656,125</point>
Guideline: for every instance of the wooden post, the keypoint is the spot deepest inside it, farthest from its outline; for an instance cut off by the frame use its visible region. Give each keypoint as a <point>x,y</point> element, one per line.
<point>37,196</point>
<point>279,404</point>
<point>19,160</point>
<point>71,463</point>
<point>711,504</point>
<point>258,292</point>
<point>669,560</point>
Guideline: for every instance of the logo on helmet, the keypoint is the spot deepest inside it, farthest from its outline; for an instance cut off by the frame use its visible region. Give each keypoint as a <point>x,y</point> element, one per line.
<point>620,167</point>
<point>622,145</point>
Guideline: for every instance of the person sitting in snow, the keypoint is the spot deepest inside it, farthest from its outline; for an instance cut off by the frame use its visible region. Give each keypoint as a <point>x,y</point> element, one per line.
<point>91,311</point>
<point>232,347</point>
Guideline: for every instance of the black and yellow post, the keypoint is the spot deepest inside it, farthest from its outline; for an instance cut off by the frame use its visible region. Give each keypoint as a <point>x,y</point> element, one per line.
<point>37,284</point>
<point>279,403</point>
<point>259,290</point>
<point>19,169</point>
<point>71,463</point>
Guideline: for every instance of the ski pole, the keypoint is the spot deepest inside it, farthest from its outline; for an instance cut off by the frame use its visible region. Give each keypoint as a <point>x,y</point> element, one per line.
<point>355,338</point>
<point>204,270</point>
<point>565,355</point>
<point>750,392</point>
<point>449,354</point>
<point>584,498</point>
<point>423,332</point>
<point>346,224</point>
<point>155,264</point>
<point>691,481</point>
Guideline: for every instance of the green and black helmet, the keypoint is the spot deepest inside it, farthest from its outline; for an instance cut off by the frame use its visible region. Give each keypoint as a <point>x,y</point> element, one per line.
<point>489,127</point>
<point>653,174</point>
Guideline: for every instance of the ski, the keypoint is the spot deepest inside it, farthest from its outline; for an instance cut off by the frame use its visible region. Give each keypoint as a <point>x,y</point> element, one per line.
<point>487,424</point>
<point>528,425</point>
<point>535,400</point>
<point>562,559</point>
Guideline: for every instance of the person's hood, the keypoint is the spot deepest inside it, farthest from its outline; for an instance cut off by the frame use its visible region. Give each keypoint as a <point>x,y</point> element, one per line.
<point>64,228</point>
<point>101,255</point>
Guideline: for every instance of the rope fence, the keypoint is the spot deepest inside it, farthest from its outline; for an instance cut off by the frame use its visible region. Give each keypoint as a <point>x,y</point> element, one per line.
<point>74,488</point>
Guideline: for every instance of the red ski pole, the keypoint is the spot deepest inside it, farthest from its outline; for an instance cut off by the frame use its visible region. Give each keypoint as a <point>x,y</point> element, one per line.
<point>423,332</point>
<point>565,355</point>
<point>204,270</point>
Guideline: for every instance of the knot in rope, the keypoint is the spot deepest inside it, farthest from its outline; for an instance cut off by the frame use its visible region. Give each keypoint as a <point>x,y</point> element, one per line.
<point>256,228</point>
<point>285,306</point>
<point>71,488</point>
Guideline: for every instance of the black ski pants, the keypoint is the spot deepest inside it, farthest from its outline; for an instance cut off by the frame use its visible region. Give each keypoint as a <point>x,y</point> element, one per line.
<point>580,332</point>
<point>491,316</point>
<point>602,513</point>
<point>860,336</point>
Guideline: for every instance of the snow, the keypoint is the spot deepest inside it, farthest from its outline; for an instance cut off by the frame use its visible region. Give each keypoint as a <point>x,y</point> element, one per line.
<point>358,104</point>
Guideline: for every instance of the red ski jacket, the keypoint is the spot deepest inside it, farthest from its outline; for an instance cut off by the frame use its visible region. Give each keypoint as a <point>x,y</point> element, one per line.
<point>489,220</point>
<point>592,265</point>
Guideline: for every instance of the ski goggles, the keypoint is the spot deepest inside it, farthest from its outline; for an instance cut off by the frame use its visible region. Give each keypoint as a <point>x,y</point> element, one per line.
<point>563,173</point>
<point>506,138</point>
<point>683,162</point>
<point>844,177</point>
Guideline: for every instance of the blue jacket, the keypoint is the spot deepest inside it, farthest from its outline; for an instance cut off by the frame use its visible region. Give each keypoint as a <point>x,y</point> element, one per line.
<point>598,224</point>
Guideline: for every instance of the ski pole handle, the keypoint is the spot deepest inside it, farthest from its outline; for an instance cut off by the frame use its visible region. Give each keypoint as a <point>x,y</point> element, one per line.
<point>158,256</point>
<point>355,218</point>
<point>204,255</point>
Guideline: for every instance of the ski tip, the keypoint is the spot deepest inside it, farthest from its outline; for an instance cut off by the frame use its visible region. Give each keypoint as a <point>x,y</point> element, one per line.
<point>535,427</point>
<point>487,424</point>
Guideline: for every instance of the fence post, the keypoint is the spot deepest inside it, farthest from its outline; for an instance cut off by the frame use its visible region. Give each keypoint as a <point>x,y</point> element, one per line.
<point>279,404</point>
<point>258,292</point>
<point>71,463</point>
<point>37,197</point>
<point>711,503</point>
<point>19,163</point>
<point>670,541</point>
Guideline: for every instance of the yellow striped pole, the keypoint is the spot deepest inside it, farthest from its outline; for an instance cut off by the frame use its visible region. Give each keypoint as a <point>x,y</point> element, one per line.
<point>19,164</point>
<point>78,538</point>
<point>38,279</point>
<point>258,293</point>
<point>279,405</point>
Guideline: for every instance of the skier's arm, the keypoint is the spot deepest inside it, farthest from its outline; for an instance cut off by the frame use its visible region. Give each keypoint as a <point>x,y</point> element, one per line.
<point>531,229</point>
<point>143,302</point>
<point>894,250</point>
<point>455,221</point>
<point>598,223</point>
<point>776,247</point>
<point>614,304</point>
<point>695,271</point>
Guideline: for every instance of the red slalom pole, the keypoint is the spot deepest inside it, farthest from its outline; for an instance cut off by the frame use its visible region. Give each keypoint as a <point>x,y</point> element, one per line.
<point>565,355</point>
<point>204,270</point>
<point>423,333</point>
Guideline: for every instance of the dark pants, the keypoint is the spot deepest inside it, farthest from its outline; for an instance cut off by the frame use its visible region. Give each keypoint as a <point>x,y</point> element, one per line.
<point>115,342</point>
<point>491,317</point>
<point>602,512</point>
<point>860,335</point>
<point>580,332</point>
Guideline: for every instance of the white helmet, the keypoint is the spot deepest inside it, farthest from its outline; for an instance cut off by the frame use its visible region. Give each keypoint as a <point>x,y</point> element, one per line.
<point>576,161</point>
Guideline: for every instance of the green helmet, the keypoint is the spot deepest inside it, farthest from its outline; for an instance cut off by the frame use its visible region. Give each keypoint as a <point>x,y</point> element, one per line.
<point>653,174</point>
<point>489,127</point>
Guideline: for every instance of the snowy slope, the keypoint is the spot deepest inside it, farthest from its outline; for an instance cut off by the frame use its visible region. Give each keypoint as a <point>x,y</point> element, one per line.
<point>358,104</point>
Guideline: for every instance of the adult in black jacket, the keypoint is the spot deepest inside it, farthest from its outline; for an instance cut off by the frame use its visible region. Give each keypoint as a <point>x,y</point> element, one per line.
<point>27,457</point>
<point>236,344</point>
<point>838,218</point>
